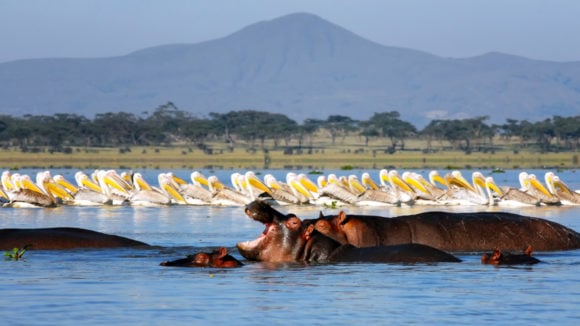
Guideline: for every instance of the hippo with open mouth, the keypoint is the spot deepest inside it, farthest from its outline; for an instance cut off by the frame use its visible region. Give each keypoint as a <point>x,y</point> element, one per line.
<point>286,239</point>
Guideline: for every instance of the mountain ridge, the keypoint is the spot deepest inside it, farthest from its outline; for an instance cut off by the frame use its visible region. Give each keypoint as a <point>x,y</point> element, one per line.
<point>300,65</point>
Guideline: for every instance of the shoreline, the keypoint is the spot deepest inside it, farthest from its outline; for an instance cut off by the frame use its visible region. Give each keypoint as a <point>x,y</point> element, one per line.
<point>181,157</point>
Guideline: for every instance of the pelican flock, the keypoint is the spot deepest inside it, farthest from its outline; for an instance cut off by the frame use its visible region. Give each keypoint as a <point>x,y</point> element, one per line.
<point>108,187</point>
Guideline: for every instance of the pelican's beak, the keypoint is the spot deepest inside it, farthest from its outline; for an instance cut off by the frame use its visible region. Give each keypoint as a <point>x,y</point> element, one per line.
<point>60,180</point>
<point>491,184</point>
<point>307,183</point>
<point>170,189</point>
<point>536,184</point>
<point>254,181</point>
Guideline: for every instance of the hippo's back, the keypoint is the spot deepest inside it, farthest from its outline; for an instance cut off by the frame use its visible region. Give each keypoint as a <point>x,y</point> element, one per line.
<point>62,238</point>
<point>489,230</point>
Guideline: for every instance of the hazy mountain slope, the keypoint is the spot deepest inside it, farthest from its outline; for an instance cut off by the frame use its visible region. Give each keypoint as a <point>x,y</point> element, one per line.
<point>299,65</point>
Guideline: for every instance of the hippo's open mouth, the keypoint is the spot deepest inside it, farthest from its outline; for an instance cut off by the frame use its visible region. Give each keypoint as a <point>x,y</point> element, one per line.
<point>255,211</point>
<point>261,212</point>
<point>251,248</point>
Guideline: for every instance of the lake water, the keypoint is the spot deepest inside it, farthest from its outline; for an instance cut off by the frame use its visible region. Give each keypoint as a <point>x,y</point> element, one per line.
<point>127,286</point>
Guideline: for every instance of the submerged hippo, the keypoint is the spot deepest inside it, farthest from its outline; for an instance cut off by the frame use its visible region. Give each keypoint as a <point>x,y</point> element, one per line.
<point>218,258</point>
<point>287,239</point>
<point>62,238</point>
<point>455,232</point>
<point>501,258</point>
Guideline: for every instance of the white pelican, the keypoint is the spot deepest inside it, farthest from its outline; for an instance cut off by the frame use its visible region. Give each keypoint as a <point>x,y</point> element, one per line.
<point>309,185</point>
<point>355,185</point>
<point>7,183</point>
<point>47,183</point>
<point>419,185</point>
<point>113,186</point>
<point>508,196</point>
<point>321,181</point>
<point>461,192</point>
<point>9,186</point>
<point>274,184</point>
<point>88,192</point>
<point>225,196</point>
<point>146,195</point>
<point>334,193</point>
<point>456,180</point>
<point>368,182</point>
<point>291,192</point>
<point>434,179</point>
<point>195,193</point>
<point>235,180</point>
<point>532,186</point>
<point>65,184</point>
<point>406,194</point>
<point>254,186</point>
<point>379,196</point>
<point>302,187</point>
<point>561,189</point>
<point>27,194</point>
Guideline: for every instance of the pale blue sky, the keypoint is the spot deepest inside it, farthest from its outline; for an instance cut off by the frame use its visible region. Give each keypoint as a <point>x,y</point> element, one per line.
<point>547,30</point>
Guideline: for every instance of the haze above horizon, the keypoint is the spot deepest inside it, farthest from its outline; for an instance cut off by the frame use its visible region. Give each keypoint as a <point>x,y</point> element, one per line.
<point>103,28</point>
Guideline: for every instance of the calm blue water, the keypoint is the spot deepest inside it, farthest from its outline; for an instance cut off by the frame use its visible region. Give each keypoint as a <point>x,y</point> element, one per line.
<point>127,286</point>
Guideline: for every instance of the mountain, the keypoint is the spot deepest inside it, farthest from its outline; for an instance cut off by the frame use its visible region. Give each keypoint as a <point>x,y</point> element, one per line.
<point>302,66</point>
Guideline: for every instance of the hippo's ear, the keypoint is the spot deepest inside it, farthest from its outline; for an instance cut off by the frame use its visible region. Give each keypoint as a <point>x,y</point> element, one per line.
<point>222,252</point>
<point>308,231</point>
<point>496,255</point>
<point>323,226</point>
<point>320,215</point>
<point>342,218</point>
<point>529,251</point>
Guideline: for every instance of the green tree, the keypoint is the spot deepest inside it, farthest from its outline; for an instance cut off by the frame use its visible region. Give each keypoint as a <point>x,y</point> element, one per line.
<point>339,125</point>
<point>389,125</point>
<point>307,129</point>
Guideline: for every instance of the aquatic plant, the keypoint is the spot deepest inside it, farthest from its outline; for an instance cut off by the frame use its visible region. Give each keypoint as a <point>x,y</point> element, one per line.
<point>332,205</point>
<point>15,253</point>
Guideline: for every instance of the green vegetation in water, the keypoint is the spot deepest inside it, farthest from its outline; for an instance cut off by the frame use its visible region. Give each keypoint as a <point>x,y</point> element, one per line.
<point>315,172</point>
<point>498,170</point>
<point>332,205</point>
<point>15,253</point>
<point>346,167</point>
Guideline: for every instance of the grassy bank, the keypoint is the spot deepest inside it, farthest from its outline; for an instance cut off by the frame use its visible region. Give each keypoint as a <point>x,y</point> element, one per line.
<point>329,157</point>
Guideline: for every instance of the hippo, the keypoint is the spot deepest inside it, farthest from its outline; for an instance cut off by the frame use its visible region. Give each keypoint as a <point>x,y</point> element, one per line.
<point>286,239</point>
<point>447,231</point>
<point>452,232</point>
<point>219,258</point>
<point>62,238</point>
<point>501,258</point>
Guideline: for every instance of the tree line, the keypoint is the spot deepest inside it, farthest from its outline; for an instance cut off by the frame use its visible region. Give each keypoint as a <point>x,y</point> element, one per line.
<point>168,125</point>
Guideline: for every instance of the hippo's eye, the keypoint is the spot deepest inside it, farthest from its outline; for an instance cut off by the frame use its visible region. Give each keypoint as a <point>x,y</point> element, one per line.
<point>293,223</point>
